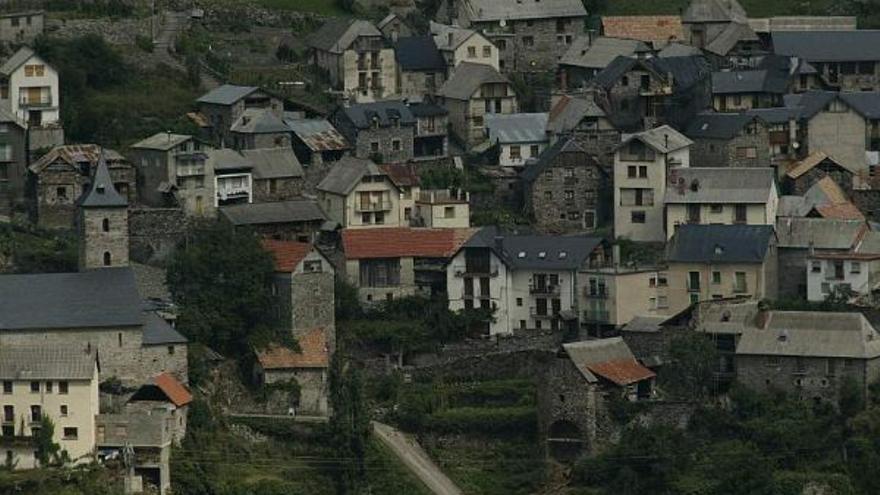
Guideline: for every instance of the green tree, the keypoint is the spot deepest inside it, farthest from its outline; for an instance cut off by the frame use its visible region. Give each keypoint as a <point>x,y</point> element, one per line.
<point>693,361</point>
<point>46,450</point>
<point>349,426</point>
<point>221,280</point>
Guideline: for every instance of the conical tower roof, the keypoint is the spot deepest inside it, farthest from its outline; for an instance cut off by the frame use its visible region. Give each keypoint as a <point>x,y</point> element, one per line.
<point>101,192</point>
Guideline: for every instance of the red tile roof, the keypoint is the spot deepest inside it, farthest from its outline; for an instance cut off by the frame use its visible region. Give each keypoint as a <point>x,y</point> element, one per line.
<point>622,372</point>
<point>313,353</point>
<point>643,27</point>
<point>287,254</point>
<point>173,389</point>
<point>403,242</point>
<point>401,175</point>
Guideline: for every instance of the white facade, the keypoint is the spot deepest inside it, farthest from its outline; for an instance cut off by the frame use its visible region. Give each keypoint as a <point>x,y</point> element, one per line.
<point>374,202</point>
<point>516,154</point>
<point>233,188</point>
<point>835,274</point>
<point>32,93</point>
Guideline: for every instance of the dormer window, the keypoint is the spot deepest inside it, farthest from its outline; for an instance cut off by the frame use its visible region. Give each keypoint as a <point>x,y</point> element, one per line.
<point>562,255</point>
<point>542,254</point>
<point>719,250</point>
<point>522,254</point>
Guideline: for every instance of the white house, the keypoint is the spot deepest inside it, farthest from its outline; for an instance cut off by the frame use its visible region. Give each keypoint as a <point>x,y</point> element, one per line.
<point>519,136</point>
<point>358,193</point>
<point>29,88</point>
<point>458,45</point>
<point>854,273</point>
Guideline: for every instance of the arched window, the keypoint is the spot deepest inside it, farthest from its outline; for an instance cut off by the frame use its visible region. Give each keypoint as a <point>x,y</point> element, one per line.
<point>105,225</point>
<point>106,258</point>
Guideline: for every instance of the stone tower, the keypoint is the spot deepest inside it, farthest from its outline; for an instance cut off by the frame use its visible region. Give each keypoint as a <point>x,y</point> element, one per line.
<point>103,223</point>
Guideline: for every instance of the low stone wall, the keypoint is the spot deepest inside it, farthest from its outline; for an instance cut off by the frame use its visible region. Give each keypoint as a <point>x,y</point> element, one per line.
<point>114,31</point>
<point>155,232</point>
<point>494,366</point>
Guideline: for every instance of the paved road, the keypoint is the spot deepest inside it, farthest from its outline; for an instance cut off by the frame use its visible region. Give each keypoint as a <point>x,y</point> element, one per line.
<point>299,418</point>
<point>416,459</point>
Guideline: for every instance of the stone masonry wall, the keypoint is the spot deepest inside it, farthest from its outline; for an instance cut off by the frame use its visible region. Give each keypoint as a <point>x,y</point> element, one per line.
<point>562,204</point>
<point>285,188</point>
<point>94,242</point>
<point>166,358</point>
<point>155,232</point>
<point>600,144</point>
<point>312,301</point>
<point>548,42</point>
<point>385,137</point>
<point>813,381</point>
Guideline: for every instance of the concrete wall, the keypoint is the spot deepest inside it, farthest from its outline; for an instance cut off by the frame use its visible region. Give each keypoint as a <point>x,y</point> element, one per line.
<point>756,214</point>
<point>840,135</point>
<point>760,282</point>
<point>859,276</point>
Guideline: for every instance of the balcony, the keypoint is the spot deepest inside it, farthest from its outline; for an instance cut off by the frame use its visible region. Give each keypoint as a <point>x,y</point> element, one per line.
<point>190,171</point>
<point>225,193</point>
<point>740,288</point>
<point>546,289</point>
<point>476,296</point>
<point>35,103</point>
<point>693,287</point>
<point>543,313</point>
<point>490,270</point>
<point>596,317</point>
<point>16,441</point>
<point>372,206</point>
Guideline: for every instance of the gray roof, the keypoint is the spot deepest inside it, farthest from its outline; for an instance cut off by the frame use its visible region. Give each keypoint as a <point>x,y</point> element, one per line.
<point>291,211</point>
<point>821,233</point>
<point>779,115</point>
<point>162,141</point>
<point>663,139</point>
<point>496,10</point>
<point>730,317</point>
<point>317,134</point>
<point>570,111</point>
<point>866,103</point>
<point>749,81</point>
<point>419,53</point>
<point>226,94</point>
<point>644,324</point>
<point>337,34</point>
<point>517,127</point>
<point>46,362</point>
<point>14,62</point>
<point>566,144</point>
<point>347,173</point>
<point>273,163</point>
<point>228,159</point>
<point>600,52</point>
<point>812,334</point>
<point>720,185</point>
<point>538,252</point>
<point>720,243</point>
<point>441,33</point>
<point>158,332</point>
<point>829,46</point>
<point>714,11</point>
<point>712,125</point>
<point>685,71</point>
<point>101,191</point>
<point>363,114</point>
<point>678,50</point>
<point>105,297</point>
<point>729,37</point>
<point>467,79</point>
<point>259,121</point>
<point>588,352</point>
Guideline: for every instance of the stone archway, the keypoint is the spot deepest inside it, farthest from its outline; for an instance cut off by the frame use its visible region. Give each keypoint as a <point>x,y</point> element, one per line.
<point>565,442</point>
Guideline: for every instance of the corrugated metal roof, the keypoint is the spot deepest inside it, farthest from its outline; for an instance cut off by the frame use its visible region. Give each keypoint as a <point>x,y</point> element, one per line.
<point>821,233</point>
<point>162,141</point>
<point>588,353</point>
<point>46,362</point>
<point>727,185</point>
<point>517,127</point>
<point>318,134</point>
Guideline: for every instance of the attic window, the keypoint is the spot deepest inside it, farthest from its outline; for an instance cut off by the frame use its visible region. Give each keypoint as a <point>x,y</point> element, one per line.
<point>562,255</point>
<point>100,188</point>
<point>719,249</point>
<point>782,337</point>
<point>522,254</point>
<point>704,126</point>
<point>542,254</point>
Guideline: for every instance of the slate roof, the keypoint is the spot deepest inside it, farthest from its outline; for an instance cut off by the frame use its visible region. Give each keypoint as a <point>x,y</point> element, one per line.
<point>678,50</point>
<point>801,232</point>
<point>720,185</point>
<point>176,393</point>
<point>403,242</point>
<point>401,174</point>
<point>101,191</point>
<point>686,71</point>
<point>813,334</point>
<point>599,52</point>
<point>226,94</point>
<point>46,362</point>
<point>569,112</point>
<point>287,254</point>
<point>607,358</point>
<point>699,11</point>
<point>105,297</point>
<point>426,109</point>
<point>694,243</point>
<point>535,251</point>
<point>712,125</point>
<point>828,46</point>
<point>225,159</point>
<point>337,34</point>
<point>663,139</point>
<point>259,121</point>
<point>313,353</point>
<point>643,27</point>
<point>318,134</point>
<point>419,53</point>
<point>778,115</point>
<point>866,103</point>
<point>441,33</point>
<point>467,79</point>
<point>16,60</point>
<point>644,324</point>
<point>363,114</point>
<point>162,141</point>
<point>567,144</point>
<point>496,10</point>
<point>273,163</point>
<point>729,37</point>
<point>158,332</point>
<point>749,81</point>
<point>516,127</point>
<point>347,173</point>
<point>74,154</point>
<point>290,211</point>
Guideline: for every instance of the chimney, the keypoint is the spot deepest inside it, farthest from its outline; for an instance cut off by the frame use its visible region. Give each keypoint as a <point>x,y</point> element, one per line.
<point>168,133</point>
<point>666,141</point>
<point>762,318</point>
<point>615,255</point>
<point>394,35</point>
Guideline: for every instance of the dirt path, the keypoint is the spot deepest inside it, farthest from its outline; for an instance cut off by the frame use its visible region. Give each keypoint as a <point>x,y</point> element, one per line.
<point>415,459</point>
<point>171,25</point>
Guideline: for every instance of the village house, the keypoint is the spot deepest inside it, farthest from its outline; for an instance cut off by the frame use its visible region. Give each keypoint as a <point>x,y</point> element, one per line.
<point>473,91</point>
<point>389,263</point>
<point>530,35</point>
<point>63,174</point>
<point>421,68</point>
<point>851,274</point>
<point>442,209</point>
<point>233,177</point>
<point>308,367</point>
<point>393,27</point>
<point>21,27</point>
<point>530,281</point>
<point>844,59</point>
<point>163,395</point>
<point>407,181</point>
<point>784,134</point>
<point>457,45</point>
<point>13,163</point>
<point>358,193</point>
<point>721,29</point>
<point>641,175</point>
<point>520,137</point>
<point>803,175</point>
<point>356,57</point>
<point>29,90</point>
<point>316,142</point>
<point>566,189</point>
<point>56,381</point>
<point>589,54</point>
<point>729,140</point>
<point>149,435</point>
<point>292,220</point>
<point>222,107</point>
<point>720,261</point>
<point>582,118</point>
<point>720,196</point>
<point>739,90</point>
<point>381,131</point>
<point>277,174</point>
<point>825,199</point>
<point>258,128</point>
<point>431,140</point>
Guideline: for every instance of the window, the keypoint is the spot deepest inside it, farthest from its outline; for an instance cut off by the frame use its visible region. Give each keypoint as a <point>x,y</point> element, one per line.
<point>70,433</point>
<point>643,172</point>
<point>449,212</point>
<point>716,208</point>
<point>312,266</point>
<point>624,81</point>
<point>379,217</point>
<point>61,193</point>
<point>693,281</point>
<point>105,225</point>
<point>472,52</point>
<point>662,302</point>
<point>568,172</point>
<point>528,41</point>
<point>522,324</point>
<point>772,361</point>
<point>515,153</point>
<point>170,350</point>
<point>487,51</point>
<point>8,414</point>
<point>16,21</point>
<point>747,152</point>
<point>631,171</point>
<point>716,278</point>
<point>62,388</point>
<point>273,186</point>
<point>36,413</point>
<point>816,266</point>
<point>739,214</point>
<point>739,283</point>
<point>519,302</point>
<point>374,147</point>
<point>502,44</point>
<point>800,367</point>
<point>637,217</point>
<point>48,387</point>
<point>35,387</point>
<point>534,150</point>
<point>366,218</point>
<point>63,410</point>
<point>7,387</point>
<point>855,267</point>
<point>382,272</point>
<point>395,144</point>
<point>568,195</point>
<point>830,367</point>
<point>107,259</point>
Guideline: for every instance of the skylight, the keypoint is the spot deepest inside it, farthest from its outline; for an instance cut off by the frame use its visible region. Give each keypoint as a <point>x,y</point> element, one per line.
<point>562,254</point>
<point>542,254</point>
<point>522,254</point>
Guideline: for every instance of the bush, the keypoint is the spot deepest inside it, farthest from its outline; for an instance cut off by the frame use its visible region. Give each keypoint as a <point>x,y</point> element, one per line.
<point>145,43</point>
<point>519,420</point>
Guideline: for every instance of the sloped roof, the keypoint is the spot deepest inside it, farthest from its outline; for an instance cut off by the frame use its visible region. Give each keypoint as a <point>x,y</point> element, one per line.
<point>273,163</point>
<point>804,23</point>
<point>663,139</point>
<point>101,192</point>
<point>646,324</point>
<point>362,115</point>
<point>643,27</point>
<point>607,358</point>
<point>516,127</point>
<point>313,353</point>
<point>727,39</point>
<point>713,125</point>
<point>622,372</point>
<point>686,71</point>
<point>45,362</point>
<point>287,254</point>
<point>569,111</point>
<point>228,159</point>
<point>73,154</point>
<point>714,11</point>
<point>419,53</point>
<point>536,251</point>
<point>812,334</point>
<point>728,185</point>
<point>599,52</point>
<point>337,34</point>
<point>467,79</point>
<point>105,297</point>
<point>441,33</point>
<point>401,174</point>
<point>813,159</point>
<point>290,211</point>
<point>678,50</point>
<point>175,391</point>
<point>801,232</point>
<point>162,141</point>
<point>694,243</point>
<point>749,81</point>
<point>828,46</point>
<point>839,211</point>
<point>226,94</point>
<point>496,10</point>
<point>403,242</point>
<point>567,144</point>
<point>318,134</point>
<point>158,332</point>
<point>16,60</point>
<point>259,121</point>
<point>346,173</point>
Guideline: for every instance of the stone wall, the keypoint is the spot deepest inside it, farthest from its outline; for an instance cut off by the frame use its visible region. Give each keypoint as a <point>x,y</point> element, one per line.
<point>312,300</point>
<point>167,358</point>
<point>868,202</point>
<point>562,203</point>
<point>385,136</point>
<point>115,31</point>
<point>283,189</point>
<point>811,381</point>
<point>95,242</point>
<point>532,45</point>
<point>800,186</point>
<point>600,144</point>
<point>313,391</point>
<point>155,232</point>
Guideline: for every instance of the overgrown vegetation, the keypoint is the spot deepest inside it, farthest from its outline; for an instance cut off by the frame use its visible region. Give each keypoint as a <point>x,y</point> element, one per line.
<point>25,248</point>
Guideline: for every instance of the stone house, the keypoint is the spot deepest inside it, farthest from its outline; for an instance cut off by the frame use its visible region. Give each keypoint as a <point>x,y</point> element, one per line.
<point>389,263</point>
<point>718,262</point>
<point>293,220</point>
<point>259,128</point>
<point>316,142</point>
<point>720,196</point>
<point>729,140</point>
<point>852,273</point>
<point>358,193</point>
<point>308,367</point>
<point>520,137</point>
<point>54,380</point>
<point>721,29</point>
<point>457,45</point>
<point>357,59</point>
<point>784,133</point>
<point>442,209</point>
<point>641,166</point>
<point>223,106</point>
<point>431,140</point>
<point>531,35</point>
<point>13,163</point>
<point>530,281</point>
<point>393,27</point>
<point>589,54</point>
<point>163,395</point>
<point>421,68</point>
<point>845,60</point>
<point>579,383</point>
<point>583,119</point>
<point>473,91</point>
<point>803,175</point>
<point>61,176</point>
<point>21,27</point>
<point>149,434</point>
<point>277,174</point>
<point>381,131</point>
<point>566,190</point>
<point>809,354</point>
<point>801,236</point>
<point>740,90</point>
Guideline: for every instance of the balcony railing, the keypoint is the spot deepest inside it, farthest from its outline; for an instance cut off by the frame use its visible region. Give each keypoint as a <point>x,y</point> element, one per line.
<point>490,270</point>
<point>693,287</point>
<point>546,289</point>
<point>37,103</point>
<point>16,441</point>
<point>545,313</point>
<point>190,171</point>
<point>596,316</point>
<point>373,206</point>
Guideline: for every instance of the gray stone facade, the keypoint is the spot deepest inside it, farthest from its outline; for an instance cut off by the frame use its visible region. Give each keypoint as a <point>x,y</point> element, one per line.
<point>58,187</point>
<point>103,237</point>
<point>155,232</point>
<point>533,45</point>
<point>13,170</point>
<point>599,143</point>
<point>392,144</point>
<point>743,150</point>
<point>800,185</point>
<point>868,202</point>
<point>280,189</point>
<point>256,141</point>
<point>312,297</point>
<point>804,377</point>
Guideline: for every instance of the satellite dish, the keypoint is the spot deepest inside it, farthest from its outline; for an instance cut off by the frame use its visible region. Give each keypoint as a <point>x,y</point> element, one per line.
<point>795,145</point>
<point>502,22</point>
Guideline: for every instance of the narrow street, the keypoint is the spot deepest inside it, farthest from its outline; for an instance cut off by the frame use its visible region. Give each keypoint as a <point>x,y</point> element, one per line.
<point>416,459</point>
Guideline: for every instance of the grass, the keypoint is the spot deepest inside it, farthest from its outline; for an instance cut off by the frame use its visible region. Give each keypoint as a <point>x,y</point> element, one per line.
<point>755,8</point>
<point>328,8</point>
